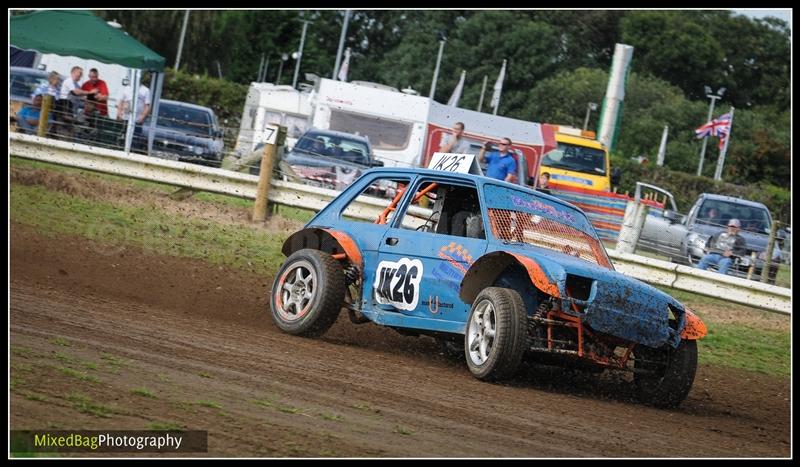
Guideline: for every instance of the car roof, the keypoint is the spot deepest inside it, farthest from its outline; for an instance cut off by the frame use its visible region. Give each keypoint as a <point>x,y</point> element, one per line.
<point>186,104</point>
<point>479,179</point>
<point>340,134</point>
<point>733,199</point>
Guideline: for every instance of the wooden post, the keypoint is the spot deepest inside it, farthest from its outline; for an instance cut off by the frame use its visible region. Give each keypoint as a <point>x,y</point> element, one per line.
<point>768,258</point>
<point>275,139</point>
<point>44,114</point>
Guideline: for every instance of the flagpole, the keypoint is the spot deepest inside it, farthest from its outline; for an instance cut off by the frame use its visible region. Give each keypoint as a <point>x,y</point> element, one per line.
<point>705,139</point>
<point>483,90</point>
<point>499,88</point>
<point>721,160</point>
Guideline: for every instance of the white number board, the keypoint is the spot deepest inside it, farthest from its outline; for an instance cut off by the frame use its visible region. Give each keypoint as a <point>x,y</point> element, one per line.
<point>452,162</point>
<point>269,135</point>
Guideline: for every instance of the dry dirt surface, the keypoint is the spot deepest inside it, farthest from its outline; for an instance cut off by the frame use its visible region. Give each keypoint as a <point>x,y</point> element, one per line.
<point>131,340</point>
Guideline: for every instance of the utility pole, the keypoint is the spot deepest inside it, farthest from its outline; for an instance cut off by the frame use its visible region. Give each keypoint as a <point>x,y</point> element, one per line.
<point>264,75</point>
<point>589,108</point>
<point>260,69</point>
<point>284,57</point>
<point>300,53</point>
<point>342,38</point>
<point>483,90</point>
<point>442,40</point>
<point>662,149</point>
<point>180,42</point>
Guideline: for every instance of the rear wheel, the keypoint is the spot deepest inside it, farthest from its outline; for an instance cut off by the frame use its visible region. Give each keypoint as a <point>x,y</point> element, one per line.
<point>308,293</point>
<point>497,335</point>
<point>665,374</point>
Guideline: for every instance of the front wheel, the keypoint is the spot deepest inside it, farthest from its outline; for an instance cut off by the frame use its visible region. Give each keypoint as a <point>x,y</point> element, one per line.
<point>497,335</point>
<point>664,376</point>
<point>308,293</point>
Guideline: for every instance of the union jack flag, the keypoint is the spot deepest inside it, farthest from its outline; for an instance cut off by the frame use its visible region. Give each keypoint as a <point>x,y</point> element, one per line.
<point>719,127</point>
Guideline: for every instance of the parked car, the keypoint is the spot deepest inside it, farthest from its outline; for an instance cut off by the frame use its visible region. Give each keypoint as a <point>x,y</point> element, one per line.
<point>330,159</point>
<point>505,271</point>
<point>185,132</point>
<point>683,238</point>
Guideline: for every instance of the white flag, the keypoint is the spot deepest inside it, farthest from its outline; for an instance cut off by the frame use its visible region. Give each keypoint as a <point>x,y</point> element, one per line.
<point>457,91</point>
<point>345,65</point>
<point>498,87</point>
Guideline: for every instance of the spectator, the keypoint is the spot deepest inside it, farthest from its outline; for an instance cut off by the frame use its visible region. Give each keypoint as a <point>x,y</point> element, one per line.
<point>502,165</point>
<point>455,142</point>
<point>141,111</point>
<point>98,87</point>
<point>712,216</point>
<point>87,119</point>
<point>71,89</point>
<point>142,107</point>
<point>722,247</point>
<point>52,87</point>
<point>28,116</point>
<point>544,183</point>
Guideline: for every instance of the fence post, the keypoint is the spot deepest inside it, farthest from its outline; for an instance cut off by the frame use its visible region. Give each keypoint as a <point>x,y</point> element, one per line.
<point>768,258</point>
<point>632,223</point>
<point>44,114</point>
<point>275,139</point>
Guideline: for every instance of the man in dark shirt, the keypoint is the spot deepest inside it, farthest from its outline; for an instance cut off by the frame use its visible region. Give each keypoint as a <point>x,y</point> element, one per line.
<point>723,247</point>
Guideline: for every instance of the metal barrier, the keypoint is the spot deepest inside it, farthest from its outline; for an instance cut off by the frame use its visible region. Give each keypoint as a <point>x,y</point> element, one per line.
<point>767,297</point>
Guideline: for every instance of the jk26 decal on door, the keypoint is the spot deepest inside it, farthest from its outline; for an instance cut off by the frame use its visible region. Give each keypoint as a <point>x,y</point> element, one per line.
<point>397,283</point>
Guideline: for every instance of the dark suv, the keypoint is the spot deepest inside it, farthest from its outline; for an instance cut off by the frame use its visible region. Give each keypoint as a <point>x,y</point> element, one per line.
<point>185,132</point>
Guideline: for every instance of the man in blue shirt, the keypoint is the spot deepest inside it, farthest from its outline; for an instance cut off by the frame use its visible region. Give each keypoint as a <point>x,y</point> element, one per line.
<point>28,116</point>
<point>502,164</point>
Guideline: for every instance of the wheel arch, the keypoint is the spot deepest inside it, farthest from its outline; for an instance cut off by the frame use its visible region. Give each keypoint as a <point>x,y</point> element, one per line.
<point>333,242</point>
<point>488,268</point>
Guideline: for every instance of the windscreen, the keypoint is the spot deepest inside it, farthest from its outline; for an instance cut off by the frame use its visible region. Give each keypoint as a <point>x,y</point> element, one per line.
<point>576,158</point>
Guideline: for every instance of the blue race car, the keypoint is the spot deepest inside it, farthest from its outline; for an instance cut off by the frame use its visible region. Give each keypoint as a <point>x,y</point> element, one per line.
<point>504,271</point>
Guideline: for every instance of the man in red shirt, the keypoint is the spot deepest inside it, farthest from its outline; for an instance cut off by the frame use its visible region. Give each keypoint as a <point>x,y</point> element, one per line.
<point>98,87</point>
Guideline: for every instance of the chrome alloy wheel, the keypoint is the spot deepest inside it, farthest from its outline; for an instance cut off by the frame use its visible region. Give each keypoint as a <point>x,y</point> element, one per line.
<point>482,329</point>
<point>296,291</point>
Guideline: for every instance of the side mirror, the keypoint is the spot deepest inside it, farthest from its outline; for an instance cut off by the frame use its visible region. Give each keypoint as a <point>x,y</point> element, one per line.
<point>376,163</point>
<point>672,216</point>
<point>781,234</point>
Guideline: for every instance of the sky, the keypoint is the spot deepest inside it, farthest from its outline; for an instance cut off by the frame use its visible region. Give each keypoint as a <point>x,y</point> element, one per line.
<point>785,14</point>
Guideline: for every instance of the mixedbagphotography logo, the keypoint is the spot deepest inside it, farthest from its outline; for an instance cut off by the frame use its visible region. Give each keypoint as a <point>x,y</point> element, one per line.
<point>127,441</point>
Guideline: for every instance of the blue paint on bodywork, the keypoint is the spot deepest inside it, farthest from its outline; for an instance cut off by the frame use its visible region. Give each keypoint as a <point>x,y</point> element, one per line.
<point>618,305</point>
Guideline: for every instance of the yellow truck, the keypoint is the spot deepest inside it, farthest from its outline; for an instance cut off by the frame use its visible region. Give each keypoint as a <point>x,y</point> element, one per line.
<point>578,161</point>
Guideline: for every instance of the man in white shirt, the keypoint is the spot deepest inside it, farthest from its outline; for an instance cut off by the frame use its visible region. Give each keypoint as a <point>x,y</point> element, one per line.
<point>71,88</point>
<point>142,107</point>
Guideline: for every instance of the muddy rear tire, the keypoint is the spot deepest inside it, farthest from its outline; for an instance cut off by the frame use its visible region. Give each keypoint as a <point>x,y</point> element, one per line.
<point>673,372</point>
<point>308,293</point>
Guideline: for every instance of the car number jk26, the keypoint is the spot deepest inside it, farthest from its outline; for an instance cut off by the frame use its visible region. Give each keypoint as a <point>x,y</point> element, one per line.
<point>397,283</point>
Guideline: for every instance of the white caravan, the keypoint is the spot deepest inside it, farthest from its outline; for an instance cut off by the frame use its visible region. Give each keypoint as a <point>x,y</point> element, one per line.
<point>395,122</point>
<point>267,103</point>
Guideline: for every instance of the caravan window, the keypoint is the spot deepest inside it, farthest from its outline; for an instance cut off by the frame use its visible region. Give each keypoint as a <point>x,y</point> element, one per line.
<point>295,125</point>
<point>385,134</point>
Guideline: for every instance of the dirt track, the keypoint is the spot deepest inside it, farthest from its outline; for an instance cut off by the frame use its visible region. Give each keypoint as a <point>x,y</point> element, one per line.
<point>200,340</point>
